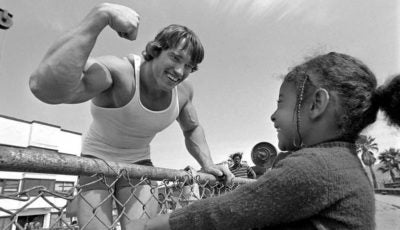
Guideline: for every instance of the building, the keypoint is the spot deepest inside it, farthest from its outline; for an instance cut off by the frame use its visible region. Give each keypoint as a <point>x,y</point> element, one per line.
<point>31,135</point>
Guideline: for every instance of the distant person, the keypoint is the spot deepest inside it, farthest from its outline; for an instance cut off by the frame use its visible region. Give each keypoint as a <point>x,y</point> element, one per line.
<point>161,203</point>
<point>74,225</point>
<point>33,225</point>
<point>240,169</point>
<point>323,105</point>
<point>132,99</point>
<point>37,225</point>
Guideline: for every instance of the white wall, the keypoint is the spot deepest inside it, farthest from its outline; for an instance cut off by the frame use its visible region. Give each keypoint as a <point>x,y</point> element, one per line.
<point>20,133</point>
<point>69,143</point>
<point>15,133</point>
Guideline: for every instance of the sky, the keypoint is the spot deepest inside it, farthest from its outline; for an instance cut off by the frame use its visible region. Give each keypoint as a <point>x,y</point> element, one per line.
<point>249,45</point>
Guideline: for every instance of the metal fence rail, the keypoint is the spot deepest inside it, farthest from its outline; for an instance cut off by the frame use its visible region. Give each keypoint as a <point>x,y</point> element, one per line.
<point>173,188</point>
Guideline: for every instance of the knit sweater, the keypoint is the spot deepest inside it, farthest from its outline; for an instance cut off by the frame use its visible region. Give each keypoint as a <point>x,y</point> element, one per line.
<point>320,187</point>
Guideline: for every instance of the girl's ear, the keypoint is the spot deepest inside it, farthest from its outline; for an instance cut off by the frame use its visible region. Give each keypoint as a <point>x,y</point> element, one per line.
<point>319,104</point>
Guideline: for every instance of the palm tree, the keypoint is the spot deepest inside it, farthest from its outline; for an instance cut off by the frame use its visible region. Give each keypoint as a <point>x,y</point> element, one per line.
<point>390,160</point>
<point>366,145</point>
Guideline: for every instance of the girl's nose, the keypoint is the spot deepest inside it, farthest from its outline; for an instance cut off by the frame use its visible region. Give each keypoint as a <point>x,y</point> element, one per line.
<point>273,117</point>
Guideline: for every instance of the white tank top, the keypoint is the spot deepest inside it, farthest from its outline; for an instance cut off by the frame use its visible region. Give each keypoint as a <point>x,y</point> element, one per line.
<point>124,134</point>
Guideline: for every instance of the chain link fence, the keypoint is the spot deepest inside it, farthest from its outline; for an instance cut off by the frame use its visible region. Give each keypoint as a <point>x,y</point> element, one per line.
<point>169,189</point>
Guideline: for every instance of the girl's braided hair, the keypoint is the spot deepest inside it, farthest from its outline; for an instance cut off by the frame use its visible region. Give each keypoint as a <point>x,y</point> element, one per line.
<point>356,86</point>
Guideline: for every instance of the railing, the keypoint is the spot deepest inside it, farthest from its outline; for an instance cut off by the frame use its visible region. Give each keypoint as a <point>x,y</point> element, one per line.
<point>392,184</point>
<point>173,188</point>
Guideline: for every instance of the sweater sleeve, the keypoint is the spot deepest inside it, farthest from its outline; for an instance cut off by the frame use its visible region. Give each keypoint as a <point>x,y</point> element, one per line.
<point>290,192</point>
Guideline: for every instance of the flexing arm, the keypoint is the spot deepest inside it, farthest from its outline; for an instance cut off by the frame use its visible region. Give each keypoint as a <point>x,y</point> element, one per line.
<point>65,74</point>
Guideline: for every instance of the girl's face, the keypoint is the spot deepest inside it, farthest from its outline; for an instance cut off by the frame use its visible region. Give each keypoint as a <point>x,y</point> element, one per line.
<point>284,117</point>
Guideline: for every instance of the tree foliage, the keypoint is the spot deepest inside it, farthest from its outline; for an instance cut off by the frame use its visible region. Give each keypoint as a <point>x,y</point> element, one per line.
<point>390,162</point>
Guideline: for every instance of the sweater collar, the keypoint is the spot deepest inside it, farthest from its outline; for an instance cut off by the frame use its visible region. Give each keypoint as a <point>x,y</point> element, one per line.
<point>333,144</point>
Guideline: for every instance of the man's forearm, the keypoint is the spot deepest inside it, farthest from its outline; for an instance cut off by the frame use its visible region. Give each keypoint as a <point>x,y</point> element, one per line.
<point>197,146</point>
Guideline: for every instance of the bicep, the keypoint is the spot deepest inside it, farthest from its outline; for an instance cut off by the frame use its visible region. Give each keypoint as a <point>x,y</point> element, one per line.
<point>188,118</point>
<point>96,78</point>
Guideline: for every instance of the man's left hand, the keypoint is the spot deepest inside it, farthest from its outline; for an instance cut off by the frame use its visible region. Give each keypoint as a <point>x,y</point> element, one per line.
<point>220,171</point>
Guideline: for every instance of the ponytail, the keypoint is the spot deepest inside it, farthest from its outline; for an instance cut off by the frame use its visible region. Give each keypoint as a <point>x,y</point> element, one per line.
<point>387,98</point>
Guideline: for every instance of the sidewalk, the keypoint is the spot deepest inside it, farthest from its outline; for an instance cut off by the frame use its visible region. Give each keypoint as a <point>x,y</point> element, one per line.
<point>387,212</point>
<point>389,199</point>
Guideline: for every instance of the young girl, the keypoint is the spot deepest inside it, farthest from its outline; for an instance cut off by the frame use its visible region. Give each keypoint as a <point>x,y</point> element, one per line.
<point>323,106</point>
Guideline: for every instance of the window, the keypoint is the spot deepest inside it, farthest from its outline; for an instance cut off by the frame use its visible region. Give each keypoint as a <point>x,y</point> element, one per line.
<point>31,222</point>
<point>63,186</point>
<point>29,183</point>
<point>8,186</point>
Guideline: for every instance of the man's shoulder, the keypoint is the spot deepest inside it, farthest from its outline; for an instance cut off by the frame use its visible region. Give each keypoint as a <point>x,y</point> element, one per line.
<point>112,59</point>
<point>185,92</point>
<point>186,87</point>
<point>116,65</point>
<point>123,83</point>
<point>134,59</point>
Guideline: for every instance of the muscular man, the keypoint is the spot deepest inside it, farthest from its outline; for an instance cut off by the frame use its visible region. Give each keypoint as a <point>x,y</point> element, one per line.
<point>132,99</point>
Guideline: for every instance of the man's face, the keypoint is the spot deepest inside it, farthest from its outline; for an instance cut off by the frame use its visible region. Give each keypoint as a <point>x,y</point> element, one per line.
<point>161,197</point>
<point>173,66</point>
<point>236,160</point>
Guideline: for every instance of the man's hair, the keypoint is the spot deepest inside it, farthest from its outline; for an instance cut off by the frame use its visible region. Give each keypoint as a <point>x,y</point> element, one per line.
<point>239,154</point>
<point>171,37</point>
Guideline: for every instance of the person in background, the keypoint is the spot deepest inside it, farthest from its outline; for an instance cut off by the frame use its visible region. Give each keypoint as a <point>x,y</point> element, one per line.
<point>132,99</point>
<point>240,169</point>
<point>323,106</point>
